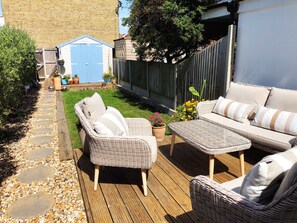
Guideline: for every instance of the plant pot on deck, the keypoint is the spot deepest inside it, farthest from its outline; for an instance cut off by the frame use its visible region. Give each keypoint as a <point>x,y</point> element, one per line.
<point>159,132</point>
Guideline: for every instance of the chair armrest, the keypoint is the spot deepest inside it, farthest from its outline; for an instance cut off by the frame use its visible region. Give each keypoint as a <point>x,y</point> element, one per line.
<point>122,151</point>
<point>205,107</point>
<point>214,203</point>
<point>139,126</point>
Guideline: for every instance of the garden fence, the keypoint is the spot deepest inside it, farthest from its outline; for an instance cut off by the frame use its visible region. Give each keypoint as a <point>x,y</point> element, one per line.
<point>46,62</point>
<point>169,84</point>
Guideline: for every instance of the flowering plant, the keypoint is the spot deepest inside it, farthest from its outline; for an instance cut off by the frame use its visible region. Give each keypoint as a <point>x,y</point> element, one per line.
<point>156,120</point>
<point>186,112</point>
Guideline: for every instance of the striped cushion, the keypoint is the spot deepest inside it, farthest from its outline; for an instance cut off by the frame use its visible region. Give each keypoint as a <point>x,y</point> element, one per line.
<point>232,109</point>
<point>263,180</point>
<point>280,121</point>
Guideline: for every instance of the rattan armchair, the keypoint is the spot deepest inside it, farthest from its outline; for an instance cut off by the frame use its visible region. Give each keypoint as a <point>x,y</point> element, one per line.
<point>214,203</point>
<point>137,150</point>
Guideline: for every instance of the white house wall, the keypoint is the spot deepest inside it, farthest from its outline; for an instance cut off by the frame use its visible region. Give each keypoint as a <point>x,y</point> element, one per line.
<point>107,58</point>
<point>267,43</point>
<point>65,53</point>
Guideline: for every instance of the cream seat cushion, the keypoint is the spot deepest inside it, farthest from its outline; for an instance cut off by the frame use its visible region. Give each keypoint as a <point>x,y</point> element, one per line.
<point>247,94</point>
<point>282,99</point>
<point>93,107</point>
<point>276,140</point>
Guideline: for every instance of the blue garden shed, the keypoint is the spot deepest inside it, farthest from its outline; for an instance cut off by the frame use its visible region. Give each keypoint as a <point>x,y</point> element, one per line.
<point>87,57</point>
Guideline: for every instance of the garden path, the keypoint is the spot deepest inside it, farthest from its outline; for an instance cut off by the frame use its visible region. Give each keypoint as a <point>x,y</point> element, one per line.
<point>42,188</point>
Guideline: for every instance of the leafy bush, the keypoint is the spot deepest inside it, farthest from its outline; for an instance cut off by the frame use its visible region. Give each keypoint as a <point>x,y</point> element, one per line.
<point>17,67</point>
<point>186,112</point>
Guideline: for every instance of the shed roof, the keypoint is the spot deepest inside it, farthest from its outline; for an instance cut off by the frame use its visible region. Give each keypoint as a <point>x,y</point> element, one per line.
<point>84,36</point>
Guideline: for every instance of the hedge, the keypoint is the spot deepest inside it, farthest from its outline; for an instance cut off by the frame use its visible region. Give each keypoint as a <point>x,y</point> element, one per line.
<point>17,67</point>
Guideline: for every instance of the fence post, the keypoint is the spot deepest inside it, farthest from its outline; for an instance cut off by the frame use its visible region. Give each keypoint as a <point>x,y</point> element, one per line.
<point>147,81</point>
<point>230,56</point>
<point>130,76</point>
<point>44,63</point>
<point>174,86</point>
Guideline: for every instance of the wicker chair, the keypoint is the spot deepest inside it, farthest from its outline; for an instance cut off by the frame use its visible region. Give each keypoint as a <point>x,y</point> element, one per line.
<point>214,203</point>
<point>137,150</point>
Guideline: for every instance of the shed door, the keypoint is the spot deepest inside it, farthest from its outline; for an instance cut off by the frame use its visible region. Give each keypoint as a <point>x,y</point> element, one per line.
<point>87,62</point>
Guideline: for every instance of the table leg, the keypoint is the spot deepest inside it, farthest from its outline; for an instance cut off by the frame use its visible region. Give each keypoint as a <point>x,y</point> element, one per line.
<point>172,143</point>
<point>241,162</point>
<point>211,166</point>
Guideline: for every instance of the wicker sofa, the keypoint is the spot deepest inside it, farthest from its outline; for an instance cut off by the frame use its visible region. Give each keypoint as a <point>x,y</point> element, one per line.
<point>262,138</point>
<point>137,149</point>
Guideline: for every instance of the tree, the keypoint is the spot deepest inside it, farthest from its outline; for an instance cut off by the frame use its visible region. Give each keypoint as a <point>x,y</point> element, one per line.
<point>165,29</point>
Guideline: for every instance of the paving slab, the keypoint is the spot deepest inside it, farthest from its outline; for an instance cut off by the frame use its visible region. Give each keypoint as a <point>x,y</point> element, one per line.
<point>43,116</point>
<point>36,174</point>
<point>44,112</point>
<point>42,130</point>
<point>41,140</point>
<point>31,206</point>
<point>46,122</point>
<point>39,154</point>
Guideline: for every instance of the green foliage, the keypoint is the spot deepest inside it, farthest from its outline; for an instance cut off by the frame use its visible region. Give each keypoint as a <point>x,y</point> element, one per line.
<point>17,67</point>
<point>196,93</point>
<point>108,74</point>
<point>186,112</point>
<point>166,28</point>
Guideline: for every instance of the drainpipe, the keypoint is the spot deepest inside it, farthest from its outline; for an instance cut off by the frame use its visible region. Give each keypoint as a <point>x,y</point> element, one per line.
<point>232,7</point>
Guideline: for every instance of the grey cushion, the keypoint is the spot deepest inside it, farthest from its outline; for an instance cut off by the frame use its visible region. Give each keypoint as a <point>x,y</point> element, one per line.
<point>275,140</point>
<point>93,107</point>
<point>289,180</point>
<point>234,184</point>
<point>262,181</point>
<point>255,95</point>
<point>282,99</point>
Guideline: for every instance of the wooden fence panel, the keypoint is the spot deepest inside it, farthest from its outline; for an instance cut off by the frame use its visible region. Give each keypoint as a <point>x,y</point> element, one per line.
<point>169,84</point>
<point>209,64</point>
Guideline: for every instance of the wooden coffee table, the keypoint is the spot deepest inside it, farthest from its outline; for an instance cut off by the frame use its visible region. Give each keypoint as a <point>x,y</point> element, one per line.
<point>211,139</point>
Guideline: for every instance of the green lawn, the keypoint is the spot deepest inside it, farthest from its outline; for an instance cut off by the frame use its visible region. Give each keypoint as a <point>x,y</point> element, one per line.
<point>129,107</point>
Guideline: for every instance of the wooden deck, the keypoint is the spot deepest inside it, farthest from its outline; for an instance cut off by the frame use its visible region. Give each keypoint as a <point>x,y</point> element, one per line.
<point>119,197</point>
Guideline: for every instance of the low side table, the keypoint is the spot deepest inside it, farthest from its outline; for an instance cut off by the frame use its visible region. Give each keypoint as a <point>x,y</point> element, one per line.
<point>211,139</point>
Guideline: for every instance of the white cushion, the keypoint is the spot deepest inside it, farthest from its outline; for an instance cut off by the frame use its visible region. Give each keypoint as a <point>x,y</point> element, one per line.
<point>119,116</point>
<point>282,99</point>
<point>281,121</point>
<point>111,122</point>
<point>232,109</point>
<point>101,129</point>
<point>93,107</point>
<point>263,180</point>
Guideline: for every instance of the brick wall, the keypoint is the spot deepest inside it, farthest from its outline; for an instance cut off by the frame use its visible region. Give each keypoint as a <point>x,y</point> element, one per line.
<point>52,22</point>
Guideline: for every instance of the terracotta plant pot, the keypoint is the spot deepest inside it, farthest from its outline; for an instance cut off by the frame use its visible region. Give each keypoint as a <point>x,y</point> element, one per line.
<point>76,80</point>
<point>159,132</point>
<point>70,81</point>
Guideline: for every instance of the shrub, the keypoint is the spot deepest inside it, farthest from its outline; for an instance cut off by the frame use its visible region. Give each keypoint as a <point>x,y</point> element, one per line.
<point>186,112</point>
<point>17,67</point>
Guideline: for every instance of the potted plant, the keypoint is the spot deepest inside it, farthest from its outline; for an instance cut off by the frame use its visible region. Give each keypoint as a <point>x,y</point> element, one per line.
<point>158,126</point>
<point>75,79</point>
<point>57,81</point>
<point>108,75</point>
<point>61,62</point>
<point>66,78</point>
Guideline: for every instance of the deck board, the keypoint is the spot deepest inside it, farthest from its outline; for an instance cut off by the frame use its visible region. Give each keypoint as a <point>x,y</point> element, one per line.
<point>119,197</point>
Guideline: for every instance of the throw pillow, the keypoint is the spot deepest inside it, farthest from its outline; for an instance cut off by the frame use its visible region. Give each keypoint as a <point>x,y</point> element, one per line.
<point>289,180</point>
<point>93,107</point>
<point>262,181</point>
<point>102,129</point>
<point>111,122</point>
<point>280,121</point>
<point>232,109</point>
<point>119,116</point>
